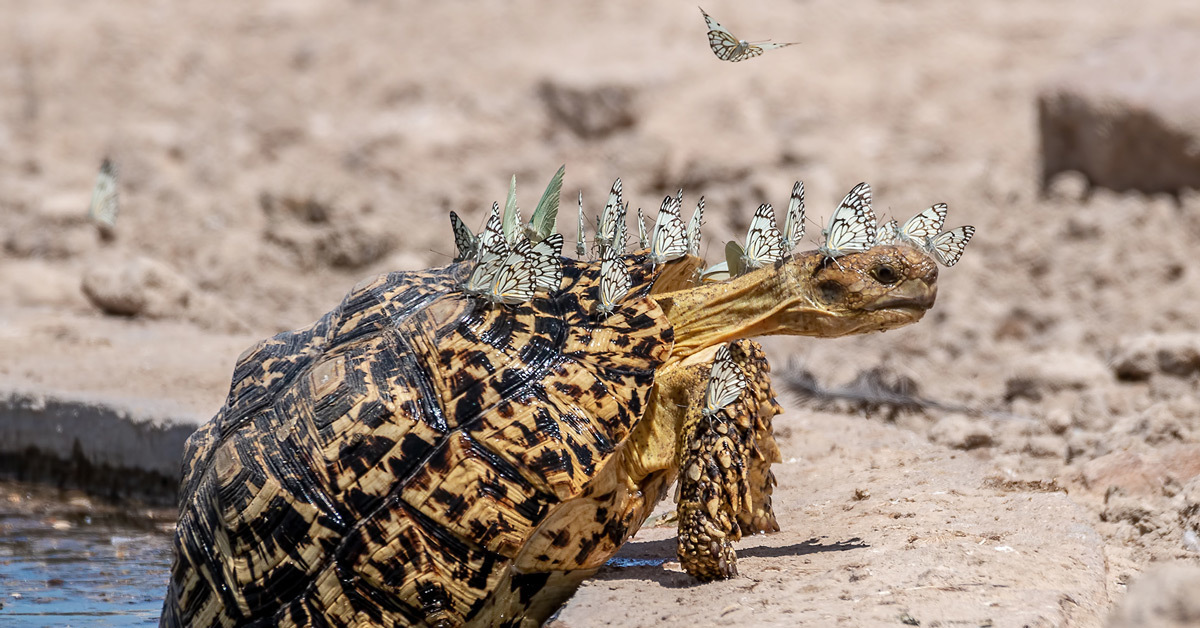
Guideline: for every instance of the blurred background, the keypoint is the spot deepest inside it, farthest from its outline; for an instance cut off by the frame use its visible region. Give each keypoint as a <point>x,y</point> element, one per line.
<point>273,154</point>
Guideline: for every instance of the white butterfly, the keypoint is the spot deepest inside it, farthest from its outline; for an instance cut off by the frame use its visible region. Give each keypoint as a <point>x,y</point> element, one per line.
<point>548,266</point>
<point>852,226</point>
<point>887,232</point>
<point>464,240</point>
<point>726,382</point>
<point>925,225</point>
<point>670,240</point>
<point>491,244</point>
<point>580,246</point>
<point>521,274</point>
<point>947,248</point>
<point>643,237</point>
<point>793,225</point>
<point>614,284</point>
<point>693,228</point>
<point>764,244</point>
<point>730,48</point>
<point>606,225</point>
<point>483,275</point>
<point>104,206</point>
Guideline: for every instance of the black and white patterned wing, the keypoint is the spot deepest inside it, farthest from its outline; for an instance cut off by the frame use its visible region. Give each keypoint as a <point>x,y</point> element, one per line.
<point>614,284</point>
<point>643,235</point>
<point>852,226</point>
<point>693,228</point>
<point>464,240</point>
<point>670,236</point>
<point>491,243</point>
<point>726,381</point>
<point>515,282</point>
<point>547,270</point>
<point>581,233</point>
<point>764,244</point>
<point>947,248</point>
<point>793,223</point>
<point>887,232</point>
<point>926,225</point>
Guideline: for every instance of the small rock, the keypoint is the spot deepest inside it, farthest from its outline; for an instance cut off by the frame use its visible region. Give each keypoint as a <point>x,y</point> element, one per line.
<point>1068,186</point>
<point>1124,115</point>
<point>1137,358</point>
<point>1164,596</point>
<point>137,287</point>
<point>593,111</point>
<point>959,432</point>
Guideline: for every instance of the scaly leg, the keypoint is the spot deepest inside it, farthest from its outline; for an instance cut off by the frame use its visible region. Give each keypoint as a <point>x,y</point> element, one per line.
<point>725,479</point>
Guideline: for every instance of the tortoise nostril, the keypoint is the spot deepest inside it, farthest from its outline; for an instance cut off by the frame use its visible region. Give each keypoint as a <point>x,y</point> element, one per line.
<point>831,291</point>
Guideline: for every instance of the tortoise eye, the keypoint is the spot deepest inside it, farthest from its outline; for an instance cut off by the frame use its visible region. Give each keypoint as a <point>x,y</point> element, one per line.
<point>885,274</point>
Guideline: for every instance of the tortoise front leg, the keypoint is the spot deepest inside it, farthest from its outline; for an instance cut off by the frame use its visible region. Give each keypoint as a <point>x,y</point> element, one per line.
<point>725,478</point>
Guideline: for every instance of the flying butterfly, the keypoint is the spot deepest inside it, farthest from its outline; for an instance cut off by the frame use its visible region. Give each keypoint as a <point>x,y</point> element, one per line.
<point>726,381</point>
<point>104,206</point>
<point>614,284</point>
<point>852,225</point>
<point>670,240</point>
<point>793,225</point>
<point>730,48</point>
<point>464,240</point>
<point>643,237</point>
<point>925,225</point>
<point>606,225</point>
<point>580,244</point>
<point>888,232</point>
<point>947,248</point>
<point>693,228</point>
<point>764,244</point>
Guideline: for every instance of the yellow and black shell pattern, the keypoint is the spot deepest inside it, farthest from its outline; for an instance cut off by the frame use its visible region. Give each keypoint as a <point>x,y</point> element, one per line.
<point>384,465</point>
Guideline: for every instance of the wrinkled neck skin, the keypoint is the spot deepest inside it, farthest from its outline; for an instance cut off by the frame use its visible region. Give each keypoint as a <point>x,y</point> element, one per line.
<point>773,300</point>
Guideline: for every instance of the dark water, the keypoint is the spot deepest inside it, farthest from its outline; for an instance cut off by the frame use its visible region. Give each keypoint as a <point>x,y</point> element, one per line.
<point>65,561</point>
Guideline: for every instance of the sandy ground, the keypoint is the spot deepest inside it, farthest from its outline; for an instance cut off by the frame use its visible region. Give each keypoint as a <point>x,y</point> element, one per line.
<point>274,154</point>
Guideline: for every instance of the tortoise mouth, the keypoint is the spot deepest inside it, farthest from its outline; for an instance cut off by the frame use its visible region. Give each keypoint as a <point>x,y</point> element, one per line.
<point>914,294</point>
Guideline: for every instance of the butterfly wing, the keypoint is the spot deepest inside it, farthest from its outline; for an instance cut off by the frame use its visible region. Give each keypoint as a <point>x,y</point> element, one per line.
<point>614,283</point>
<point>886,233</point>
<point>764,244</point>
<point>726,381</point>
<point>547,267</point>
<point>793,225</point>
<point>515,281</point>
<point>491,243</point>
<point>541,224</point>
<point>733,258</point>
<point>606,228</point>
<point>852,226</point>
<point>723,43</point>
<point>948,247</point>
<point>643,236</point>
<point>464,240</point>
<point>104,206</point>
<point>580,244</point>
<point>670,236</point>
<point>621,235</point>
<point>693,228</point>
<point>925,225</point>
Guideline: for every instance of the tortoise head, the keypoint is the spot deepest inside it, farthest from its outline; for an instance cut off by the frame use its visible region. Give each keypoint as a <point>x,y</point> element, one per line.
<point>807,295</point>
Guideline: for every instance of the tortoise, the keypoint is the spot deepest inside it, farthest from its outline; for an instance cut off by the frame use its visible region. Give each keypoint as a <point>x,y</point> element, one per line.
<point>421,457</point>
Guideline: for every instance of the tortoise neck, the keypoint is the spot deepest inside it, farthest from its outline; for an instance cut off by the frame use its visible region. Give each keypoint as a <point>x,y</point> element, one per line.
<point>768,301</point>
